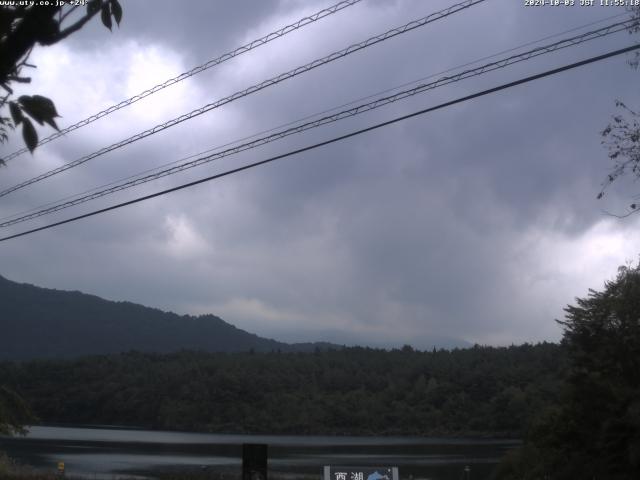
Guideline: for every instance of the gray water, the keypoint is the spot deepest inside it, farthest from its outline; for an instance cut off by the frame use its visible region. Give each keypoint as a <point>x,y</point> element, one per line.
<point>109,453</point>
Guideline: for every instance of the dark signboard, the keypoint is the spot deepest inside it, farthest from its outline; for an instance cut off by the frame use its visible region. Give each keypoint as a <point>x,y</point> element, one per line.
<point>360,473</point>
<point>254,461</point>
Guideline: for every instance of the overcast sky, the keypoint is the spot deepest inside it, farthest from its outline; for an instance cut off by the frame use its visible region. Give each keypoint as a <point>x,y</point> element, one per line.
<point>477,222</point>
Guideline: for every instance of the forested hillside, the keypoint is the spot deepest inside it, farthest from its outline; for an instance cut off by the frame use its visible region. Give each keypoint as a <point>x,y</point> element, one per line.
<point>45,323</point>
<point>481,390</point>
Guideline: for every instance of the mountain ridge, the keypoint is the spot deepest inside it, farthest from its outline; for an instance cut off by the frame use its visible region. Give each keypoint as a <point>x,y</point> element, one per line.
<point>39,322</point>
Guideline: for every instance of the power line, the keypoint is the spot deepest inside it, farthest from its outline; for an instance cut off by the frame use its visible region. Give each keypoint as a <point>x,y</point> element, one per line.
<point>314,115</point>
<point>564,43</point>
<point>333,140</point>
<point>194,71</point>
<point>255,88</point>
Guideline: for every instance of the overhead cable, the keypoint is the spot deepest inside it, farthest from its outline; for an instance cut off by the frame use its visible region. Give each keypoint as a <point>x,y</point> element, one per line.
<point>489,67</point>
<point>255,88</point>
<point>308,117</point>
<point>194,71</point>
<point>332,140</point>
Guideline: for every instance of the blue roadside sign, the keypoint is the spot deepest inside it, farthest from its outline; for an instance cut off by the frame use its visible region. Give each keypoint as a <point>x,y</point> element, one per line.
<point>332,472</point>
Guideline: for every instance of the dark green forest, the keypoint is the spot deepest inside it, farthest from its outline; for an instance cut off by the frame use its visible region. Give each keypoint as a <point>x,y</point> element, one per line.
<point>575,405</point>
<point>480,390</point>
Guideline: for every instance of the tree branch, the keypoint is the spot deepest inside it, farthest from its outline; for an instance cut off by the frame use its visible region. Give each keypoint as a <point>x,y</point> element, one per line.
<point>67,13</point>
<point>14,78</point>
<point>23,38</point>
<point>74,27</point>
<point>628,214</point>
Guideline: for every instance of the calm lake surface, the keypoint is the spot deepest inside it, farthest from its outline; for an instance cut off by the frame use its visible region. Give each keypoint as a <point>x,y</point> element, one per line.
<point>111,453</point>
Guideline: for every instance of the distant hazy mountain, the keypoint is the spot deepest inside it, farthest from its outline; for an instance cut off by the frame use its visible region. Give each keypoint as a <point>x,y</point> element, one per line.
<point>45,323</point>
<point>425,341</point>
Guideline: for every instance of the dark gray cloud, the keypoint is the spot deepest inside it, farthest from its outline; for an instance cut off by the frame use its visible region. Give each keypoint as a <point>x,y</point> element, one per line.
<point>200,30</point>
<point>476,222</point>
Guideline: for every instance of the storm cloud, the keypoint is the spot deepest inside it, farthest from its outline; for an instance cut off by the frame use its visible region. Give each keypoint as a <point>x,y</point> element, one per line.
<point>477,222</point>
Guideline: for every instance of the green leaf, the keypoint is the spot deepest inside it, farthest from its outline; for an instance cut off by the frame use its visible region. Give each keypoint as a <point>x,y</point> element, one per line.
<point>51,122</point>
<point>47,32</point>
<point>46,105</point>
<point>106,15</point>
<point>40,108</point>
<point>116,10</point>
<point>29,134</point>
<point>16,113</point>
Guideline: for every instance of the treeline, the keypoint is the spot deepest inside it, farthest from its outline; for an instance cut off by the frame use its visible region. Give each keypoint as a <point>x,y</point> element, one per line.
<point>480,390</point>
<point>593,430</point>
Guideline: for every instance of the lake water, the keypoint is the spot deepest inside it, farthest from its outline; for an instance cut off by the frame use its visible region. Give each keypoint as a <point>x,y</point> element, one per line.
<point>111,453</point>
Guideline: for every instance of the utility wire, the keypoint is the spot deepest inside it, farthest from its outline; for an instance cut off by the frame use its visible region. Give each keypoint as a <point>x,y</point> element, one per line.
<point>568,42</point>
<point>314,115</point>
<point>334,140</point>
<point>194,71</point>
<point>255,88</point>
<point>307,117</point>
